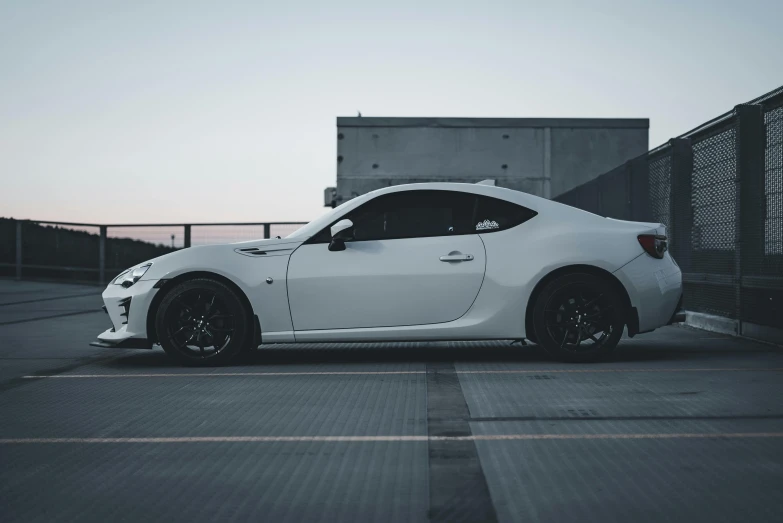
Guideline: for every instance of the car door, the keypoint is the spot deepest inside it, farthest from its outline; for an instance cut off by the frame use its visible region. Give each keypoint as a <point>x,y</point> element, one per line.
<point>414,259</point>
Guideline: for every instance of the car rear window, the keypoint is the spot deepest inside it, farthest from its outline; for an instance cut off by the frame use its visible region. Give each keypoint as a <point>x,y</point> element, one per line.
<point>494,215</point>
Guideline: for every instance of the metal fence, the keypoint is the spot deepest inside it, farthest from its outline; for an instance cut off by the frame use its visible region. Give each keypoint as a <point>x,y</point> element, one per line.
<point>719,191</point>
<point>94,253</point>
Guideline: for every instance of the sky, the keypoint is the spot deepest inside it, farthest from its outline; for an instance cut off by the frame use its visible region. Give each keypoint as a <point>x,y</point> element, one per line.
<point>163,112</point>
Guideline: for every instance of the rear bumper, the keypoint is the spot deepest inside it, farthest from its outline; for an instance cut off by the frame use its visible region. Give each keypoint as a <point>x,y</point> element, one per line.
<point>655,290</point>
<point>679,314</point>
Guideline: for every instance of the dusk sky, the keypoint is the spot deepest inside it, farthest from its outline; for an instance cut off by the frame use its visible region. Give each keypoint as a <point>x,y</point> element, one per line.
<point>225,111</point>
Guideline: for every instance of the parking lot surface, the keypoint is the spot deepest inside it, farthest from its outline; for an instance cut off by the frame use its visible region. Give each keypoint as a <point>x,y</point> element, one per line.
<point>680,425</point>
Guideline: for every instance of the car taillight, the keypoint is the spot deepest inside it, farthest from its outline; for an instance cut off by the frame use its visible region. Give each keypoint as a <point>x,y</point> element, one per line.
<point>653,244</point>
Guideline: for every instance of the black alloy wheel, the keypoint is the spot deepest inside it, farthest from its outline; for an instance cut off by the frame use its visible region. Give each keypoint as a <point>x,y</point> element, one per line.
<point>579,317</point>
<point>202,322</point>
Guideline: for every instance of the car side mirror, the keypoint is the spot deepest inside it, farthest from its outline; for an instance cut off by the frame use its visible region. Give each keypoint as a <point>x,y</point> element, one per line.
<point>341,231</point>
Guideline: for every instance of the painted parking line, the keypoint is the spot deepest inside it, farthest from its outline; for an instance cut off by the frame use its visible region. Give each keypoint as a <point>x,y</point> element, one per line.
<point>50,298</point>
<point>587,371</point>
<point>53,316</point>
<point>381,373</point>
<point>224,374</point>
<point>401,438</point>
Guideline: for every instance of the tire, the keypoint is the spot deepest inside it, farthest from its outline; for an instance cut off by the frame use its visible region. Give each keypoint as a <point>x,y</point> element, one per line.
<point>203,322</point>
<point>579,317</point>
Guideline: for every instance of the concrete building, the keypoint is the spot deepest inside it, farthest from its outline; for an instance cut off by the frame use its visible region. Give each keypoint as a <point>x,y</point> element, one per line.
<point>542,156</point>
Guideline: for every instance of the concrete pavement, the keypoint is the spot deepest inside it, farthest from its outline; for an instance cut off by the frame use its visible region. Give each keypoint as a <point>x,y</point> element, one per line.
<point>681,425</point>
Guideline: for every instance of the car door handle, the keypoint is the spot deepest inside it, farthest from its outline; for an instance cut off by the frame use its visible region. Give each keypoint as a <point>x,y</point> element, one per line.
<point>456,257</point>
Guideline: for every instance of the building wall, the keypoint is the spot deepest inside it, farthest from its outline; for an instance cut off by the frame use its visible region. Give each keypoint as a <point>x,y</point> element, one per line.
<point>542,156</point>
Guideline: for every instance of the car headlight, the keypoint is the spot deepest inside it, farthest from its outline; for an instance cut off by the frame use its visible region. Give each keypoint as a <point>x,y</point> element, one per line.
<point>131,276</point>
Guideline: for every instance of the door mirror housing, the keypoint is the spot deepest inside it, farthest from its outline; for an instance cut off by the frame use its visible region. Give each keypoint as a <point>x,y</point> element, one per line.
<point>341,231</point>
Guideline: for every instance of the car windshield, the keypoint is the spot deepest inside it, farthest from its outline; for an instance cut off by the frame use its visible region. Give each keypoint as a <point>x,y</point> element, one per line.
<point>315,226</point>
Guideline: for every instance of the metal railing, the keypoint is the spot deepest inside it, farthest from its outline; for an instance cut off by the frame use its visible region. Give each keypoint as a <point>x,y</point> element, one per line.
<point>719,191</point>
<point>93,253</point>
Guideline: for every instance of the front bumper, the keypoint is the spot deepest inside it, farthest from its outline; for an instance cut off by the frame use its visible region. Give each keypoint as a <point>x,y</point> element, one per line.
<point>127,309</point>
<point>127,343</point>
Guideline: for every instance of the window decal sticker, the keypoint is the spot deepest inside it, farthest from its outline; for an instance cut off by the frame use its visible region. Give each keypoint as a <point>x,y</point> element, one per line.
<point>487,224</point>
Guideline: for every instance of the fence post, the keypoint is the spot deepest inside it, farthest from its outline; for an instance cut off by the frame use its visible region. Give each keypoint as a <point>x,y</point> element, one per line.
<point>266,231</point>
<point>187,236</point>
<point>102,256</point>
<point>627,181</point>
<point>639,189</point>
<point>599,199</point>
<point>18,249</point>
<point>749,231</point>
<point>681,201</point>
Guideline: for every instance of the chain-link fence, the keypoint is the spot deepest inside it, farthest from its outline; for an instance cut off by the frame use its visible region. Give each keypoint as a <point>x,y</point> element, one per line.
<point>719,191</point>
<point>85,252</point>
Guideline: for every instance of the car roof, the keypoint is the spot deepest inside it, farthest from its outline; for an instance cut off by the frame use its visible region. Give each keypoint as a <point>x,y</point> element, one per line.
<point>528,200</point>
<point>552,209</point>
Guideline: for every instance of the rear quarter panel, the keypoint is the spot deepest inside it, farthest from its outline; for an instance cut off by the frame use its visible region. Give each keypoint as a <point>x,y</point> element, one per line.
<point>518,258</point>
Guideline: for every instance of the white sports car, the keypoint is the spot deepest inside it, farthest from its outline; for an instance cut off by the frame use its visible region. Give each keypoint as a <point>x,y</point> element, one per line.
<point>431,261</point>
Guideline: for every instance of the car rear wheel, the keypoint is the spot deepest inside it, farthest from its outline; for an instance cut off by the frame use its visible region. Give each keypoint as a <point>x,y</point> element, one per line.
<point>202,322</point>
<point>579,318</point>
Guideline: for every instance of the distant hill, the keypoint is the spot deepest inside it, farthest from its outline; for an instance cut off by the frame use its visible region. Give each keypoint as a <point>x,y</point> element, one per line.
<point>46,245</point>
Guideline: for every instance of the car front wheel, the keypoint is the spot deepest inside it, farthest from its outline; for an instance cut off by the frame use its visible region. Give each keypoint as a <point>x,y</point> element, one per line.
<point>202,322</point>
<point>579,317</point>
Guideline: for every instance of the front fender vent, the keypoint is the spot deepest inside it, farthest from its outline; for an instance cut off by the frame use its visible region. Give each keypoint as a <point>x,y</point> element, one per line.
<point>280,249</point>
<point>251,251</point>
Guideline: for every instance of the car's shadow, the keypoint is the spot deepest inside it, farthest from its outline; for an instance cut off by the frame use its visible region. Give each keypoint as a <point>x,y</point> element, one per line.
<point>357,353</point>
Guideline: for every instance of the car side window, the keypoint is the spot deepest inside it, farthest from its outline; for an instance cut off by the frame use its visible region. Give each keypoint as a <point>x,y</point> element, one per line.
<point>414,214</point>
<point>410,214</point>
<point>493,215</point>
